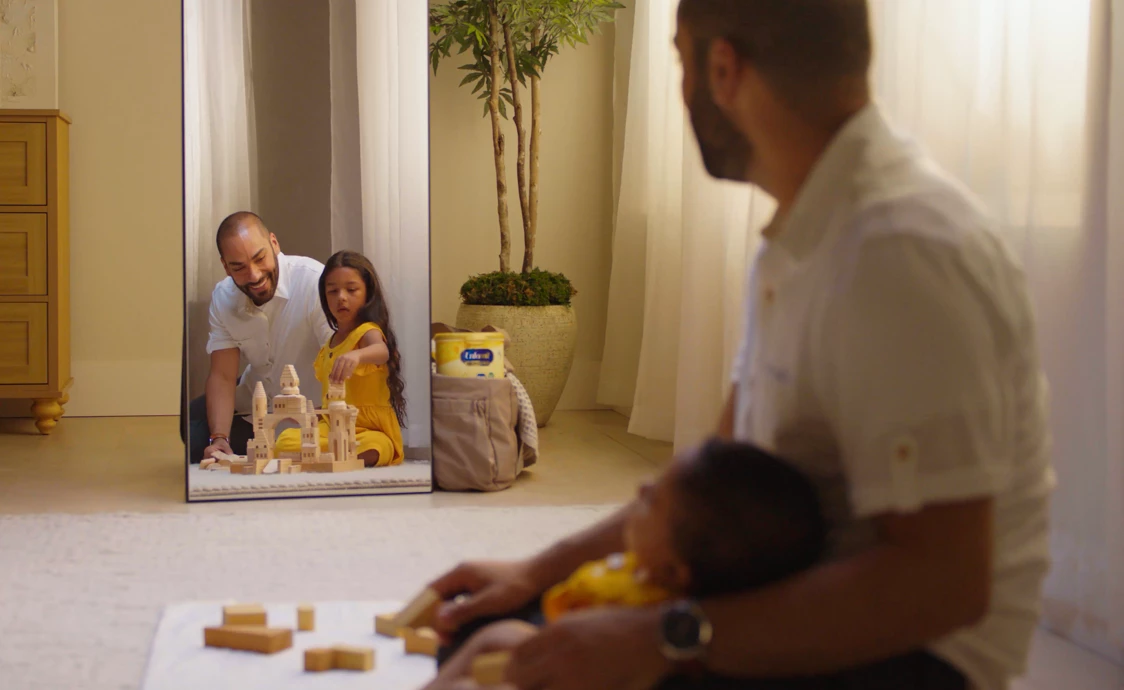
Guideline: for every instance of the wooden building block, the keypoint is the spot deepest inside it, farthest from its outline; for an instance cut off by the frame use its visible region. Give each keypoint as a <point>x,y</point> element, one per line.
<point>421,641</point>
<point>248,638</point>
<point>421,612</point>
<point>384,625</point>
<point>316,660</point>
<point>243,614</point>
<point>351,658</point>
<point>306,618</point>
<point>488,669</point>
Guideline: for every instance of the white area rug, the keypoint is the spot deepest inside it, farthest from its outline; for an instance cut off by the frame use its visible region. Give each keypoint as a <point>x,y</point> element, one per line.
<point>409,477</point>
<point>81,596</point>
<point>179,661</point>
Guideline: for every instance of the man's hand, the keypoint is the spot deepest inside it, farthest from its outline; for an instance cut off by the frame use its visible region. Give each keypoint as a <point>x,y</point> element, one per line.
<point>344,367</point>
<point>594,649</point>
<point>220,445</point>
<point>456,673</point>
<point>492,589</point>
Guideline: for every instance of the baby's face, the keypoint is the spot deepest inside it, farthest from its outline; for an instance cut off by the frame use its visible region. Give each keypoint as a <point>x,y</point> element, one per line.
<point>648,533</point>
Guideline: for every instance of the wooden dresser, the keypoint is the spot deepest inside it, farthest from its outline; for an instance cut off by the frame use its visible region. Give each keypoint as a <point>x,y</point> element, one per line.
<point>35,261</point>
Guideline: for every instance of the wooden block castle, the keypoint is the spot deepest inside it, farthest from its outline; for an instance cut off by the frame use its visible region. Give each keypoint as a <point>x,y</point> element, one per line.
<point>290,405</point>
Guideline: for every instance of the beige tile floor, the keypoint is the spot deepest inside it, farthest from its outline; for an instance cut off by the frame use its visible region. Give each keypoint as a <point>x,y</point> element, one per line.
<point>135,465</point>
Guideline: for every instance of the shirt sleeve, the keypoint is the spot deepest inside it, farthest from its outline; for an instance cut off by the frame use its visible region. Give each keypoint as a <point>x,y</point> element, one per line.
<point>913,379</point>
<point>220,337</point>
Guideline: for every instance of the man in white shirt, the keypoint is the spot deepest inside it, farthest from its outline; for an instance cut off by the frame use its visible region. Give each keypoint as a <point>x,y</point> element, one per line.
<point>265,314</point>
<point>890,352</point>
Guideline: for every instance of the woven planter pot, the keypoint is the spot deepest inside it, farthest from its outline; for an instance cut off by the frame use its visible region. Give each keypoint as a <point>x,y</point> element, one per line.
<point>541,347</point>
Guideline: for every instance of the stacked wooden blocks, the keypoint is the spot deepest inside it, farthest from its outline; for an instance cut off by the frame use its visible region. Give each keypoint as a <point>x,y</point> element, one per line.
<point>245,628</point>
<point>414,624</point>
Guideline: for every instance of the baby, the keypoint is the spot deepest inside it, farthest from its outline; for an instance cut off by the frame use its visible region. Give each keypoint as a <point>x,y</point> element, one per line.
<point>723,517</point>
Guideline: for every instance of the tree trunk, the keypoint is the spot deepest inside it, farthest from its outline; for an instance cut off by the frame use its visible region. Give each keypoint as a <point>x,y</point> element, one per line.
<point>533,203</point>
<point>498,140</point>
<point>520,134</point>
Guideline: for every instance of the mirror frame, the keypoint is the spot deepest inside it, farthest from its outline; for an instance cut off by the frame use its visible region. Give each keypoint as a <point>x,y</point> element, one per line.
<point>185,397</point>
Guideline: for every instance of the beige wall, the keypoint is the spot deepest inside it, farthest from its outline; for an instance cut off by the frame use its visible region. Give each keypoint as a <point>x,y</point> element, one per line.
<point>575,208</point>
<point>119,80</point>
<point>293,118</point>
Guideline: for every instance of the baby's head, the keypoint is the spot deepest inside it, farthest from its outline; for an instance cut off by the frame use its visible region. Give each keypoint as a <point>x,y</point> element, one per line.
<point>725,517</point>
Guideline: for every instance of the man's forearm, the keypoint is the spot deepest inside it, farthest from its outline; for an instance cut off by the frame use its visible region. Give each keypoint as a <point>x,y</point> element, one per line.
<point>220,404</point>
<point>559,561</point>
<point>879,604</point>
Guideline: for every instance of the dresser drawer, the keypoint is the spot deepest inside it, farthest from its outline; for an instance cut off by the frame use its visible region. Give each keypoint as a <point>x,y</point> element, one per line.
<point>23,163</point>
<point>23,343</point>
<point>23,253</point>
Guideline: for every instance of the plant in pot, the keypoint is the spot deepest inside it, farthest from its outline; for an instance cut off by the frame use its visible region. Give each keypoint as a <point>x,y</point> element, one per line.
<point>510,43</point>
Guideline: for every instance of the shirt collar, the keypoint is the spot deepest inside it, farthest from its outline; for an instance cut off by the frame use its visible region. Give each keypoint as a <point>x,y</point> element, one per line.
<point>831,185</point>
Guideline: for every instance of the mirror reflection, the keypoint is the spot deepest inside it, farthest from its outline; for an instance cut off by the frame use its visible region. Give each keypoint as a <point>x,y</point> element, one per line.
<point>306,243</point>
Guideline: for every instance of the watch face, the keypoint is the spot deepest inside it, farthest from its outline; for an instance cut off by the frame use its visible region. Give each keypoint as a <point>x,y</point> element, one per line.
<point>682,629</point>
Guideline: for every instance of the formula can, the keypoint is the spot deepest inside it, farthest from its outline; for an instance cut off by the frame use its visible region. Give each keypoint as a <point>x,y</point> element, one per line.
<point>469,355</point>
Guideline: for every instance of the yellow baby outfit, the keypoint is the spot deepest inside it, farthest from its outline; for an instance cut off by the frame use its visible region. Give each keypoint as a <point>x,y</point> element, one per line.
<point>610,581</point>
<point>376,427</point>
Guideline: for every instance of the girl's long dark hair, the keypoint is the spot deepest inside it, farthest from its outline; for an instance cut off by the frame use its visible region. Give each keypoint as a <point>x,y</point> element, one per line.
<point>374,311</point>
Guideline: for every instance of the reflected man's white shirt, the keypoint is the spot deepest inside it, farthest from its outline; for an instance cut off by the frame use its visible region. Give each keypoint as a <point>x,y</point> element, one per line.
<point>289,329</point>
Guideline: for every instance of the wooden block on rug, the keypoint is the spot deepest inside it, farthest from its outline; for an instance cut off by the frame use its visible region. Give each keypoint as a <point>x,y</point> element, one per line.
<point>421,641</point>
<point>421,612</point>
<point>350,658</point>
<point>243,614</point>
<point>385,626</point>
<point>488,669</point>
<point>248,638</point>
<point>306,618</point>
<point>320,659</point>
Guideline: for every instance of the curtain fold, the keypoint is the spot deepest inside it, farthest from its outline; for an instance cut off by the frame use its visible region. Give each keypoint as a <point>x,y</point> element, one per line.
<point>680,240</point>
<point>392,39</point>
<point>1021,101</point>
<point>219,144</point>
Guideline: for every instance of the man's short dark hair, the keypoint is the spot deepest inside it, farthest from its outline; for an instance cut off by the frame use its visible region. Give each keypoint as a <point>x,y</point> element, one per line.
<point>743,518</point>
<point>805,49</point>
<point>235,222</point>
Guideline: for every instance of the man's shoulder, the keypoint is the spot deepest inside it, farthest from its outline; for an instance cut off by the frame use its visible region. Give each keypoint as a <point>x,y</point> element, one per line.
<point>226,294</point>
<point>303,265</point>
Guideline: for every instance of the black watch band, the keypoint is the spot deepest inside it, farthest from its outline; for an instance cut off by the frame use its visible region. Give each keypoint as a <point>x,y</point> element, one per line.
<point>685,634</point>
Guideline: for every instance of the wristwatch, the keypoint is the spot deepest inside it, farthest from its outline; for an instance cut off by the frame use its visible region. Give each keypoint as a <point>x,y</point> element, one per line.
<point>215,437</point>
<point>685,633</point>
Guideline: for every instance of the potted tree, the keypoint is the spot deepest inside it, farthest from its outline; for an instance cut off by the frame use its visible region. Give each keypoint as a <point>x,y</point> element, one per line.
<point>511,42</point>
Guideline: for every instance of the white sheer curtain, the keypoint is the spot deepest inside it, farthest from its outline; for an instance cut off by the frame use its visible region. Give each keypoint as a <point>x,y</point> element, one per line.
<point>1013,98</point>
<point>380,188</point>
<point>219,147</point>
<point>680,249</point>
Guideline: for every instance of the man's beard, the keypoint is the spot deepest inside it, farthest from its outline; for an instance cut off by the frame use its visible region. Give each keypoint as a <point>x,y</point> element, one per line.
<point>726,153</point>
<point>271,279</point>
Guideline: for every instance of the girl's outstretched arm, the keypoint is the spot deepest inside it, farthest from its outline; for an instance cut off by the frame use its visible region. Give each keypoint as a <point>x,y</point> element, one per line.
<point>371,349</point>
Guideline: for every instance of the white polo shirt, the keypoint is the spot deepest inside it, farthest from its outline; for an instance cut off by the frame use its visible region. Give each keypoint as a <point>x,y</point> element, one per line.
<point>890,352</point>
<point>288,329</point>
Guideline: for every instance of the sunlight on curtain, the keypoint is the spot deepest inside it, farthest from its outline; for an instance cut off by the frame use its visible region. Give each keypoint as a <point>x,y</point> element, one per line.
<point>218,153</point>
<point>393,102</point>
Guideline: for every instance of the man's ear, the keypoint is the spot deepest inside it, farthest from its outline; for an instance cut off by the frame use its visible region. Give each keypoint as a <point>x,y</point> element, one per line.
<point>273,241</point>
<point>723,72</point>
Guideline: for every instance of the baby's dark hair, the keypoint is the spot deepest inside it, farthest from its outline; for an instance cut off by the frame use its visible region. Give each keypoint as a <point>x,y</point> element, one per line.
<point>374,311</point>
<point>744,518</point>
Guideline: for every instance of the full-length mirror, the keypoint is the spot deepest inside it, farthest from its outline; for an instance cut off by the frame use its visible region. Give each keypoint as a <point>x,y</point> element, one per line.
<point>306,248</point>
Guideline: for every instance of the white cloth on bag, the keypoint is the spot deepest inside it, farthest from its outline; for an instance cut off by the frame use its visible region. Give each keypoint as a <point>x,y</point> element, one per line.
<point>891,353</point>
